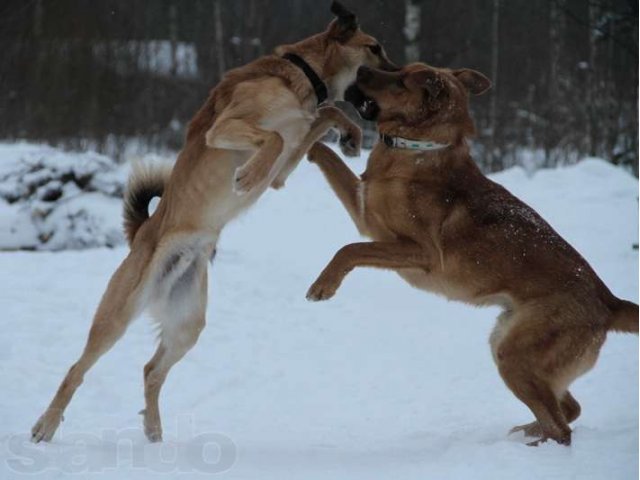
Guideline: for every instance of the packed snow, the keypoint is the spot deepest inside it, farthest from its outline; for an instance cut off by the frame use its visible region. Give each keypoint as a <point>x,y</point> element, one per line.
<point>381,382</point>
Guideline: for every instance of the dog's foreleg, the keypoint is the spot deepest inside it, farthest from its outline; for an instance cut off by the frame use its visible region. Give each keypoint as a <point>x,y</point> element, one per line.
<point>389,255</point>
<point>236,134</point>
<point>344,183</point>
<point>328,117</point>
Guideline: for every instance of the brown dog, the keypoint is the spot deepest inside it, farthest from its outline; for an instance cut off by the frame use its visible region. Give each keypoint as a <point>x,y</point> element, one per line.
<point>446,228</point>
<point>251,133</point>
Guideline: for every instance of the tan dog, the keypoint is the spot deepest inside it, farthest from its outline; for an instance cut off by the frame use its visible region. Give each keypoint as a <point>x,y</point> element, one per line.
<point>446,228</point>
<point>252,131</point>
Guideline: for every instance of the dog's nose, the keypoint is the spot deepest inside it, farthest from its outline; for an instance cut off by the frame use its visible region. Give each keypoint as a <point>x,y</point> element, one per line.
<point>389,66</point>
<point>364,73</point>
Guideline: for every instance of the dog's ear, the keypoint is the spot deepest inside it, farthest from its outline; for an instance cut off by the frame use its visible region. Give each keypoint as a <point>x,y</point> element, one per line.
<point>475,82</point>
<point>429,80</point>
<point>345,24</point>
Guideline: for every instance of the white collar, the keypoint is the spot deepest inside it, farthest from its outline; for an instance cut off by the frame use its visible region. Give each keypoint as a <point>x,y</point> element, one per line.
<point>422,145</point>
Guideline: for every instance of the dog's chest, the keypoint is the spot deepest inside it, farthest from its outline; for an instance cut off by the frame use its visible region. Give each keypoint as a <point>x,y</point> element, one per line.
<point>373,218</point>
<point>391,211</point>
<point>384,205</point>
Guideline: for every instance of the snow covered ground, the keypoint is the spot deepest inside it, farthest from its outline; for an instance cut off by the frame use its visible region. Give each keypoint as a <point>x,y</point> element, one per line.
<point>383,381</point>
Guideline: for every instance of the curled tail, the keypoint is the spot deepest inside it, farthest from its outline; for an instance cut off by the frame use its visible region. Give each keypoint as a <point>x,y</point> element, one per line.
<point>145,182</point>
<point>625,317</point>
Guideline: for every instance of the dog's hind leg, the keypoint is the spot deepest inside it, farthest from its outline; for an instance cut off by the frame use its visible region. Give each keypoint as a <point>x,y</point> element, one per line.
<point>523,359</point>
<point>123,299</point>
<point>536,394</point>
<point>180,312</point>
<point>570,408</point>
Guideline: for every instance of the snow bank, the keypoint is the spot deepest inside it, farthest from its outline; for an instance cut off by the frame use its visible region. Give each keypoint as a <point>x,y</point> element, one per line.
<point>54,200</point>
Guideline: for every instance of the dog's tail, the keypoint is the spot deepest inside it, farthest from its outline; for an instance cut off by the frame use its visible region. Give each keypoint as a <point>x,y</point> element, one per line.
<point>625,317</point>
<point>145,182</point>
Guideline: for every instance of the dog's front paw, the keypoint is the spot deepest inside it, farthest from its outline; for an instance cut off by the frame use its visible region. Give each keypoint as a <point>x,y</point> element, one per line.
<point>277,184</point>
<point>280,180</point>
<point>46,426</point>
<point>350,142</point>
<point>246,178</point>
<point>322,289</point>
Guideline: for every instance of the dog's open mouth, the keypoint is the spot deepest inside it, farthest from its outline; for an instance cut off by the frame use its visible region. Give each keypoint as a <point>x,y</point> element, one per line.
<point>366,106</point>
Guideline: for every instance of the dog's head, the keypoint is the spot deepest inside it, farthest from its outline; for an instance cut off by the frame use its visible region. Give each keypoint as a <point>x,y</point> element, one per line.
<point>339,51</point>
<point>418,96</point>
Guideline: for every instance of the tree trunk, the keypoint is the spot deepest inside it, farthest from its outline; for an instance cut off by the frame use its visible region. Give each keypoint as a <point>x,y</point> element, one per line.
<point>551,125</point>
<point>495,55</point>
<point>612,115</point>
<point>173,38</point>
<point>592,141</point>
<point>412,20</point>
<point>37,19</point>
<point>217,14</point>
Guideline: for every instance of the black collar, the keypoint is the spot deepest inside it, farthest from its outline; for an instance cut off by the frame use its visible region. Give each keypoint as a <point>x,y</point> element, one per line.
<point>318,85</point>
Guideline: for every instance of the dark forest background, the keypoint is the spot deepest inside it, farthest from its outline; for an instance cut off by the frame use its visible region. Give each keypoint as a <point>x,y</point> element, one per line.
<point>123,75</point>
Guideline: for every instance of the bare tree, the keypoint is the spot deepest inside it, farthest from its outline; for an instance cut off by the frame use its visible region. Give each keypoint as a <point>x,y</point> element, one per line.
<point>412,21</point>
<point>217,12</point>
<point>173,37</point>
<point>592,81</point>
<point>550,127</point>
<point>495,56</point>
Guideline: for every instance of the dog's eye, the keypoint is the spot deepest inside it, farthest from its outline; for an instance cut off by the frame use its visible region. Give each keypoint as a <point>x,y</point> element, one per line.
<point>375,49</point>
